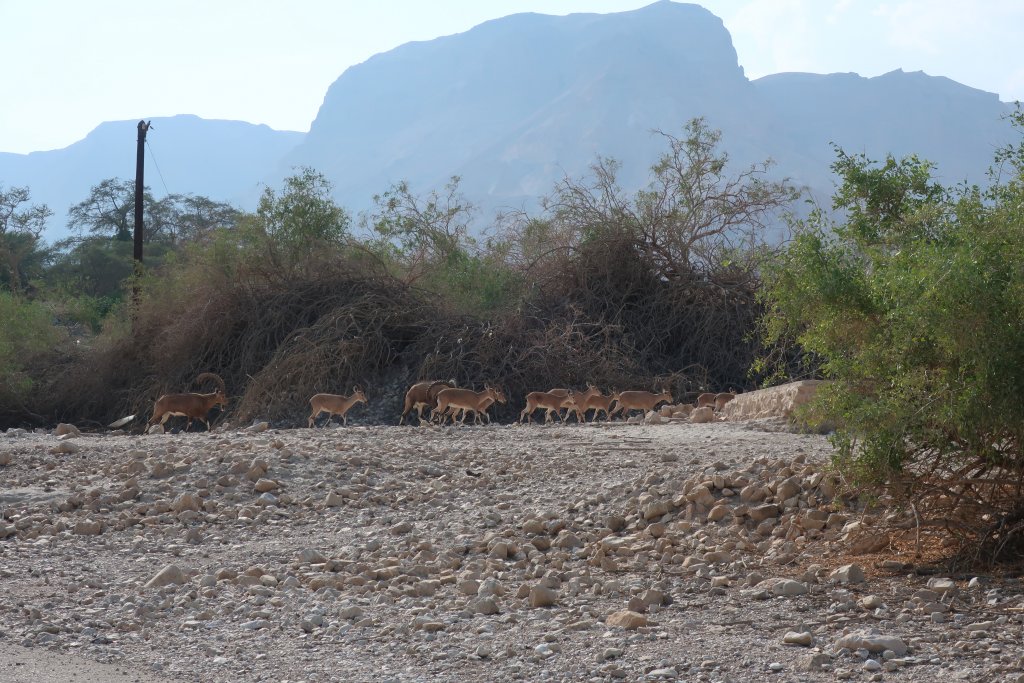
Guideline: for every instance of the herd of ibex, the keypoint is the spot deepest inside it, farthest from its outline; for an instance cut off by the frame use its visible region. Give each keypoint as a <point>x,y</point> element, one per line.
<point>446,401</point>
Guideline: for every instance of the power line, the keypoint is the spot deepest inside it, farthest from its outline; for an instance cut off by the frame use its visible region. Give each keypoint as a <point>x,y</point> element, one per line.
<point>159,173</point>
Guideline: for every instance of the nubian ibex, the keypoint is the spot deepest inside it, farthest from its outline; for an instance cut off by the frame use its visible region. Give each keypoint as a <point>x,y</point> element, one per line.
<point>332,404</point>
<point>191,406</point>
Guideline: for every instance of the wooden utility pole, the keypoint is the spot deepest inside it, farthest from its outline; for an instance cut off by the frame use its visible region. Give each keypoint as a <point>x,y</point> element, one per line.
<point>140,185</point>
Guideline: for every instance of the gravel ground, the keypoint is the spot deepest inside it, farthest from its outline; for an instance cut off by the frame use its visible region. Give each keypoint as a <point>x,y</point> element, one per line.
<point>687,552</point>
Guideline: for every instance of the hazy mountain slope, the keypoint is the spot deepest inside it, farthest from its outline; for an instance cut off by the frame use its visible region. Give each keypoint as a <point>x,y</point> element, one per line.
<point>950,124</point>
<point>514,104</point>
<point>224,160</point>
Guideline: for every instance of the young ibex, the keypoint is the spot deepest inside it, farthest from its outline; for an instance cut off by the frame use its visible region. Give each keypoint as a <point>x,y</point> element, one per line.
<point>578,400</point>
<point>706,399</point>
<point>723,398</point>
<point>450,400</point>
<point>638,400</point>
<point>423,395</point>
<point>596,402</point>
<point>715,401</point>
<point>332,404</point>
<point>550,402</point>
<point>191,406</point>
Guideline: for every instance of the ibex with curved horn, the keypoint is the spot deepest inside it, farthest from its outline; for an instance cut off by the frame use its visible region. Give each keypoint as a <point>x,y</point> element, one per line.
<point>332,404</point>
<point>191,406</point>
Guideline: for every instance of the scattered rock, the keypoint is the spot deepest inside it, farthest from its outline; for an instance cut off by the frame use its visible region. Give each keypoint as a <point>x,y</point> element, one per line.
<point>542,596</point>
<point>64,429</point>
<point>872,642</point>
<point>171,574</point>
<point>848,573</point>
<point>626,619</point>
<point>804,638</point>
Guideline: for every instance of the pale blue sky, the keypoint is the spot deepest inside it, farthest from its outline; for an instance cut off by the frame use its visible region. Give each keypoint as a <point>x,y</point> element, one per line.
<point>68,65</point>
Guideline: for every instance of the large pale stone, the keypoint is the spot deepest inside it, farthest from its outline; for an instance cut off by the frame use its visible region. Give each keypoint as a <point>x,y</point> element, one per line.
<point>763,512</point>
<point>872,642</point>
<point>264,485</point>
<point>63,429</point>
<point>787,587</point>
<point>311,556</point>
<point>185,501</point>
<point>788,488</point>
<point>848,573</point>
<point>805,638</point>
<point>626,619</point>
<point>542,596</point>
<point>778,401</point>
<point>172,573</point>
<point>88,527</point>
<point>703,414</point>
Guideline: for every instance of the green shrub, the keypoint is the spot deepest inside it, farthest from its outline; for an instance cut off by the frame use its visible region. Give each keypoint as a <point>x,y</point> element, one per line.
<point>914,302</point>
<point>27,337</point>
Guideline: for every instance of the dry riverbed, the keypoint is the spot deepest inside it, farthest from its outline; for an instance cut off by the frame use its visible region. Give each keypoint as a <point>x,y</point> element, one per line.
<point>689,552</point>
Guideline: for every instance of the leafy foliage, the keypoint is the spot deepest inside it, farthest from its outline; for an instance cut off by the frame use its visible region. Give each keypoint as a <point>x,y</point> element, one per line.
<point>295,223</point>
<point>915,304</point>
<point>21,224</point>
<point>27,338</point>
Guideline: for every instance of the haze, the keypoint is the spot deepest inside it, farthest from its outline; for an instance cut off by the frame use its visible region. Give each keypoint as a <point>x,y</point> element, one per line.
<point>271,62</point>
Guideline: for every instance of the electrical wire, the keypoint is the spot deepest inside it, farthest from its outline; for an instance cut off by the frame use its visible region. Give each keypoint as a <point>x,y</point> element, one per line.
<point>153,156</point>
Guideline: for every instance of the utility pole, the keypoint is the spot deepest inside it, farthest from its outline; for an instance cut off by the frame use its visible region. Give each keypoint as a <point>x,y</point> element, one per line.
<point>140,157</point>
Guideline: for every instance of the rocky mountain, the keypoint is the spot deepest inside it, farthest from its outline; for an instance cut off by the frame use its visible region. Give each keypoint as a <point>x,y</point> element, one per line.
<point>515,104</point>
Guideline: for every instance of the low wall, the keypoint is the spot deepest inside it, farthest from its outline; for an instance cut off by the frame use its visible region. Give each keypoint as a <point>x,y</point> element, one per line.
<point>778,401</point>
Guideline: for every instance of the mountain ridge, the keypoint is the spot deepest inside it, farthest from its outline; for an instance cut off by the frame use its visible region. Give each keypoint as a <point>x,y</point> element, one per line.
<point>515,104</point>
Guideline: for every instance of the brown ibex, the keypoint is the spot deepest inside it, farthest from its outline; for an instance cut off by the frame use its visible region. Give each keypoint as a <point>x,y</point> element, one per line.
<point>191,406</point>
<point>332,404</point>
<point>578,399</point>
<point>423,395</point>
<point>596,402</point>
<point>638,400</point>
<point>723,398</point>
<point>449,400</point>
<point>706,399</point>
<point>549,401</point>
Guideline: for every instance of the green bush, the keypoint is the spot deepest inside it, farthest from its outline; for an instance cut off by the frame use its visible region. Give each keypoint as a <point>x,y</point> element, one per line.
<point>914,303</point>
<point>27,337</point>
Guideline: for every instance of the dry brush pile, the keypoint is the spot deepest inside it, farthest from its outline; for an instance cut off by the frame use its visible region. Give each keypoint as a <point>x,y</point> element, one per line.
<point>277,344</point>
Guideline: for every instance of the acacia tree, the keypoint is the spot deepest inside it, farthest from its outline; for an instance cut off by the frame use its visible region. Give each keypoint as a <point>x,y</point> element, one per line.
<point>422,233</point>
<point>186,218</point>
<point>109,210</point>
<point>21,225</point>
<point>695,214</point>
<point>98,260</point>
